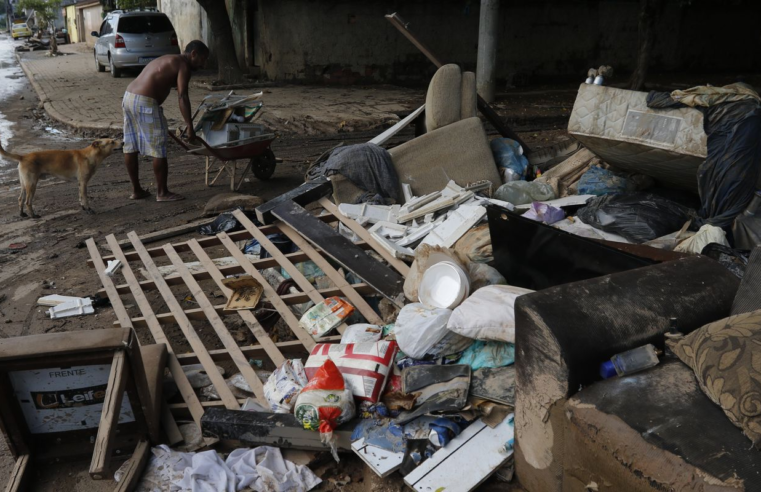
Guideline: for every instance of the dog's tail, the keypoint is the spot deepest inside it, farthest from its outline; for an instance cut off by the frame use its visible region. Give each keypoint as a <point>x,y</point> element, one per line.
<point>8,155</point>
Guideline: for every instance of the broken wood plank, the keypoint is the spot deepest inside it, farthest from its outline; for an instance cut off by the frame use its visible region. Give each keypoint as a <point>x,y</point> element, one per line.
<point>303,195</point>
<point>151,321</point>
<point>133,470</point>
<point>478,449</point>
<point>401,125</point>
<point>247,316</point>
<point>240,360</point>
<point>382,461</point>
<point>483,106</point>
<point>270,429</point>
<point>347,254</point>
<point>187,328</point>
<point>109,418</point>
<point>363,233</point>
<point>179,230</point>
<point>270,294</point>
<point>19,475</point>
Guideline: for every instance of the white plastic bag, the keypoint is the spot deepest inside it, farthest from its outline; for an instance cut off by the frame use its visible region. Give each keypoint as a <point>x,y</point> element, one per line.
<point>284,385</point>
<point>706,235</point>
<point>422,332</point>
<point>488,314</point>
<point>361,332</point>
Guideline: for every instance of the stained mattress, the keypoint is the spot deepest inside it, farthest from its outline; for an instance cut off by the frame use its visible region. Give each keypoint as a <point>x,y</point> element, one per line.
<point>617,125</point>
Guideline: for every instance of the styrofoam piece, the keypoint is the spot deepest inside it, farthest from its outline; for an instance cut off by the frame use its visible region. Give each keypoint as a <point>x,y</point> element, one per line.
<point>396,251</point>
<point>457,224</point>
<point>407,192</point>
<point>381,461</point>
<point>419,201</point>
<point>55,300</point>
<point>371,213</point>
<point>389,229</point>
<point>445,285</point>
<point>418,233</point>
<point>451,195</point>
<point>113,267</point>
<point>478,449</point>
<point>78,307</point>
<point>560,202</point>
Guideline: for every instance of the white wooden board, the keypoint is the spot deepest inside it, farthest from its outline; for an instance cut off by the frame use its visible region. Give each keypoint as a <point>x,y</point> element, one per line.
<point>381,461</point>
<point>383,137</point>
<point>468,460</point>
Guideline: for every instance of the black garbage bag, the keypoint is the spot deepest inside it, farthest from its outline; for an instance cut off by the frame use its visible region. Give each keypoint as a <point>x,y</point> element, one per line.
<point>730,174</point>
<point>638,217</point>
<point>225,222</point>
<point>732,259</point>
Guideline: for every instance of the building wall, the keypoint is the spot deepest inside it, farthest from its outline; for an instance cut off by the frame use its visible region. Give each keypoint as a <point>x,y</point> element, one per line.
<point>92,18</point>
<point>345,41</point>
<point>188,19</point>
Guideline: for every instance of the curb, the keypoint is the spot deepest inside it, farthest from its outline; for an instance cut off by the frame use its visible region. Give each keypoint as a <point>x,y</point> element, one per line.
<point>54,113</point>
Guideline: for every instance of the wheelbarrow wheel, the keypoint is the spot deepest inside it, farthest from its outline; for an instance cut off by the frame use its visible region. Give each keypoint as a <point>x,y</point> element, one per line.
<point>263,166</point>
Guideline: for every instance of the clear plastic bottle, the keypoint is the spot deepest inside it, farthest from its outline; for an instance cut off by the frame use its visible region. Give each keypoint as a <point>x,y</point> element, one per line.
<point>629,362</point>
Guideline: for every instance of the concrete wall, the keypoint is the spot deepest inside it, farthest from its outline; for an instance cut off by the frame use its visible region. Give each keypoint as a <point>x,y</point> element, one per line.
<point>188,19</point>
<point>342,41</point>
<point>92,18</point>
<point>70,13</point>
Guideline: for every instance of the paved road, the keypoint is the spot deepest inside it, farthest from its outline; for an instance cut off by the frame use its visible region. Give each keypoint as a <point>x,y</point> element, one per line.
<point>75,94</point>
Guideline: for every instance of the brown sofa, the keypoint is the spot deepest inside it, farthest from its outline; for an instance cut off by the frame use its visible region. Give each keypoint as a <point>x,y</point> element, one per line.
<point>653,430</point>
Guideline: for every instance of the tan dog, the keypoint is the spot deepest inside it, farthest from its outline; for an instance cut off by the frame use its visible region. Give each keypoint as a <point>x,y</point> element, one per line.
<point>78,164</point>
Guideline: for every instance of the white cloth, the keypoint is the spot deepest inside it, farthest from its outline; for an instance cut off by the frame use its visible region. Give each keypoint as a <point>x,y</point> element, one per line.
<point>260,469</point>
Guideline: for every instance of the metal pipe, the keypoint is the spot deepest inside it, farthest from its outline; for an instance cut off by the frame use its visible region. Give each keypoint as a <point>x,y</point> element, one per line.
<point>487,49</point>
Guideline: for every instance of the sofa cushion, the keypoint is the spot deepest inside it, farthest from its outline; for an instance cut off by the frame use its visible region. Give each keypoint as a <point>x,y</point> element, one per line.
<point>726,358</point>
<point>655,430</point>
<point>442,101</point>
<point>469,102</point>
<point>458,152</point>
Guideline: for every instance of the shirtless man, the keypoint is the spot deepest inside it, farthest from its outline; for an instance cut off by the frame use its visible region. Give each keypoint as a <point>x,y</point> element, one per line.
<point>145,128</point>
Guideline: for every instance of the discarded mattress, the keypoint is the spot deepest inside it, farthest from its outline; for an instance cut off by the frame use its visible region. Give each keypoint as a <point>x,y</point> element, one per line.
<point>617,125</point>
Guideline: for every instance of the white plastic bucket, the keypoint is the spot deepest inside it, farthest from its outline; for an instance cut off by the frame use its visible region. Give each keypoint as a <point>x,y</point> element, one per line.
<point>445,285</point>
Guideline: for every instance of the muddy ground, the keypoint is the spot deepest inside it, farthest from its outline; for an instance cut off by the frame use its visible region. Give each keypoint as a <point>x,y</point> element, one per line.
<point>52,258</point>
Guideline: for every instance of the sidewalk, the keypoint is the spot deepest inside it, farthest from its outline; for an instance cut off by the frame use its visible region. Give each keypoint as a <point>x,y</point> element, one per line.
<point>76,95</point>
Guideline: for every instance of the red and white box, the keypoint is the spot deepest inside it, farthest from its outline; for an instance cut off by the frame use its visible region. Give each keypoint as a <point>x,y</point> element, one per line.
<point>364,366</point>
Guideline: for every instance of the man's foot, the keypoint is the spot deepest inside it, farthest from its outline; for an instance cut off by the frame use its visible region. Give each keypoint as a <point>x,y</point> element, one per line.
<point>139,196</point>
<point>170,197</point>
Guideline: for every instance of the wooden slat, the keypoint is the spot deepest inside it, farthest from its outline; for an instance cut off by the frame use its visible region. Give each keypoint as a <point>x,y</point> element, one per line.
<point>206,242</point>
<point>264,263</point>
<point>108,284</point>
<point>363,234</point>
<point>109,418</point>
<point>382,278</point>
<point>219,327</point>
<point>290,349</point>
<point>298,277</point>
<point>180,379</point>
<point>19,475</point>
<point>179,230</point>
<point>187,328</point>
<point>133,470</point>
<point>172,431</point>
<point>269,293</point>
<point>247,316</point>
<point>339,280</point>
<point>289,299</point>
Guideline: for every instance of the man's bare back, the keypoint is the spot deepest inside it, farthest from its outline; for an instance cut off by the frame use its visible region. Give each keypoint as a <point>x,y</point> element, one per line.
<point>159,77</point>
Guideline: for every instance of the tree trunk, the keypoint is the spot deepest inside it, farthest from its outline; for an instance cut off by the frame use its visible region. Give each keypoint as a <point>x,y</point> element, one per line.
<point>53,43</point>
<point>224,46</point>
<point>647,15</point>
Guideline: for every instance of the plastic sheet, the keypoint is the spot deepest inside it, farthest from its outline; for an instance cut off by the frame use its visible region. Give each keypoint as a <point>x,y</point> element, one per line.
<point>509,157</point>
<point>483,355</point>
<point>542,212</point>
<point>520,192</point>
<point>598,181</point>
<point>638,217</point>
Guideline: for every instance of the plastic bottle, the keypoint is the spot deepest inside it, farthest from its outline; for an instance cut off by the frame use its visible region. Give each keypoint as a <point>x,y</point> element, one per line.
<point>629,362</point>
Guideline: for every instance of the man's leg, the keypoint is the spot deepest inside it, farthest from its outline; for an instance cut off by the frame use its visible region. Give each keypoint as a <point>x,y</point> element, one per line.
<point>161,170</point>
<point>131,161</point>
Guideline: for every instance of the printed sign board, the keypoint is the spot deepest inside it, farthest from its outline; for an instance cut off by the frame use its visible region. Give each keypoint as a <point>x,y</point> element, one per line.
<point>64,399</point>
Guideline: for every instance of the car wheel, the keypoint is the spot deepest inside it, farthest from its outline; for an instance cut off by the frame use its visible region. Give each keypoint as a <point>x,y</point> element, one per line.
<point>98,66</point>
<point>115,72</point>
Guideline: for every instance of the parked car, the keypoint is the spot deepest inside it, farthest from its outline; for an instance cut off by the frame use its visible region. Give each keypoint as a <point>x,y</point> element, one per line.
<point>133,39</point>
<point>20,31</point>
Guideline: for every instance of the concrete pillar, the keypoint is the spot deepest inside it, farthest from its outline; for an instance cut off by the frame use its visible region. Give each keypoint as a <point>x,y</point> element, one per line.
<point>487,49</point>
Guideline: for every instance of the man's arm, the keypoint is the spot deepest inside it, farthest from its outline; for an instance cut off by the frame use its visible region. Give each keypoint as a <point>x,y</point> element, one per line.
<point>183,80</point>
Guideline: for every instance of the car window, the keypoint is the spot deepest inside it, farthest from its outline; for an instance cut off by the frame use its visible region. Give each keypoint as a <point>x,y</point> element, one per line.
<point>151,24</point>
<point>106,28</point>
